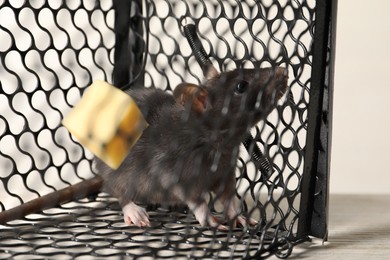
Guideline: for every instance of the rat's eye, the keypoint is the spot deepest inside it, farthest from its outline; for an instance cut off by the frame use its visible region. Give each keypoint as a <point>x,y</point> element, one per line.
<point>241,87</point>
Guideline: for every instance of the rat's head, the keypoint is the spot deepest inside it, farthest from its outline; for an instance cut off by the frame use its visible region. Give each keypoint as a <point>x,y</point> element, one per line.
<point>238,98</point>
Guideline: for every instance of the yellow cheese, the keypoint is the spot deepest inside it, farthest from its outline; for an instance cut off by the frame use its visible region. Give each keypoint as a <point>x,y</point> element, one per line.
<point>106,121</point>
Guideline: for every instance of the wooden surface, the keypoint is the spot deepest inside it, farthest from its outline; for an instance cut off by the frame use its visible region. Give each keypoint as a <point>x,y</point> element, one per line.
<point>359,228</point>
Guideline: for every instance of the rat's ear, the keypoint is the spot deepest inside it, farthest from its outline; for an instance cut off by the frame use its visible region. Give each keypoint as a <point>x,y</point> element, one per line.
<point>188,94</point>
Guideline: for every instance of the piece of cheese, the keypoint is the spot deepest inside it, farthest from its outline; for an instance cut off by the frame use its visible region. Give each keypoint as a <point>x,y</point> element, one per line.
<point>106,121</point>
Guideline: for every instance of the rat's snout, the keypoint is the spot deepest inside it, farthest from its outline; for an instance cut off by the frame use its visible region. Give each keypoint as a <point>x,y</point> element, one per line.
<point>281,73</point>
<point>280,79</point>
<point>271,87</point>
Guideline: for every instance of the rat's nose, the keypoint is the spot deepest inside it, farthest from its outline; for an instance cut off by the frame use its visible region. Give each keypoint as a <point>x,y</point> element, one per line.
<point>281,77</point>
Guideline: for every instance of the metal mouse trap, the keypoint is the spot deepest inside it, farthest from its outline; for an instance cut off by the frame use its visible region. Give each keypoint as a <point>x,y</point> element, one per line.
<point>264,68</point>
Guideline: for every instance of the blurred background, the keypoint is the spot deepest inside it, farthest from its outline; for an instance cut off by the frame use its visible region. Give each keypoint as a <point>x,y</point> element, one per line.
<point>361,120</point>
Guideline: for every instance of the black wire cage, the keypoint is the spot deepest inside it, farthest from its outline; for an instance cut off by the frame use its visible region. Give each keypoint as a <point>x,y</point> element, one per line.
<point>51,51</point>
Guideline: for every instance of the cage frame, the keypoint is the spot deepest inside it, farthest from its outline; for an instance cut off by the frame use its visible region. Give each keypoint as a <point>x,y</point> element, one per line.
<point>313,213</point>
<point>314,202</point>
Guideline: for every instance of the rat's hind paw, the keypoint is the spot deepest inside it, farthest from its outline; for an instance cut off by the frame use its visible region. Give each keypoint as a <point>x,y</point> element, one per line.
<point>134,214</point>
<point>244,221</point>
<point>216,222</point>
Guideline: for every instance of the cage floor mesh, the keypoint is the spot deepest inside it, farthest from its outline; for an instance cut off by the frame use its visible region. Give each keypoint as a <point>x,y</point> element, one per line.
<point>94,228</point>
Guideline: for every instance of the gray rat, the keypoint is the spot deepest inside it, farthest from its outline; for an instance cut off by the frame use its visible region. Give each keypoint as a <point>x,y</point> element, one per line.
<point>191,145</point>
<point>189,149</point>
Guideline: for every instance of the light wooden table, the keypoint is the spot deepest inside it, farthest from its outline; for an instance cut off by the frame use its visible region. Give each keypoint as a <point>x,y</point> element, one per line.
<point>359,228</point>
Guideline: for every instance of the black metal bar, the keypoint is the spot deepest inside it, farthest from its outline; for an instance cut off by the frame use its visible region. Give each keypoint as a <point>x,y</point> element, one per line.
<point>137,44</point>
<point>319,222</point>
<point>130,45</point>
<point>121,73</point>
<point>315,117</point>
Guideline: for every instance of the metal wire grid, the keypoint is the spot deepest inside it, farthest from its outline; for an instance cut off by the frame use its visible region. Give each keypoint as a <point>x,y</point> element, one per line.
<point>246,34</point>
<point>52,51</point>
<point>90,229</point>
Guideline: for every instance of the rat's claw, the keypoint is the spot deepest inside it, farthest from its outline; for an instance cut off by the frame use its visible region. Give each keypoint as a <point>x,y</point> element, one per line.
<point>233,215</point>
<point>203,215</point>
<point>134,214</point>
<point>243,221</point>
<point>222,228</point>
<point>214,221</point>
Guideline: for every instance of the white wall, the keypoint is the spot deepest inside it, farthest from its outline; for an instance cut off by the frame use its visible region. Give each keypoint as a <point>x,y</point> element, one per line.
<point>361,120</point>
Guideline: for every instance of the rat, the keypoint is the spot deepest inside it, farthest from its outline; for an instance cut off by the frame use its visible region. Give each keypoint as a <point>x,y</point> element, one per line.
<point>189,149</point>
<point>191,145</point>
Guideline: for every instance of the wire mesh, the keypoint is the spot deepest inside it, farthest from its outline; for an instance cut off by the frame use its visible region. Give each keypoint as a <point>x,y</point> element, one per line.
<point>246,35</point>
<point>51,51</point>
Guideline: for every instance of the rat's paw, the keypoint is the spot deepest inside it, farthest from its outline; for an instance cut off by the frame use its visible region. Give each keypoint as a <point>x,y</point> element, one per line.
<point>244,221</point>
<point>216,222</point>
<point>134,214</point>
<point>203,215</point>
<point>236,218</point>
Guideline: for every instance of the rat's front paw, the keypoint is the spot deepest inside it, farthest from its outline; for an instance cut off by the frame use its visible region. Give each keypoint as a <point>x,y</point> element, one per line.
<point>134,214</point>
